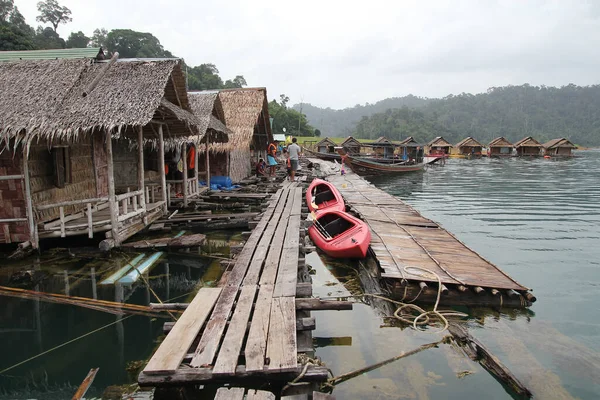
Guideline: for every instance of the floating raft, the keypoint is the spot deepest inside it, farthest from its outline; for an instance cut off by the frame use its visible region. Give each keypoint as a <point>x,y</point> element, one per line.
<point>246,328</point>
<point>402,238</point>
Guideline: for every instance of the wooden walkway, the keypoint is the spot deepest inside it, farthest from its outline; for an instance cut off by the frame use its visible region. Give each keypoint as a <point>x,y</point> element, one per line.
<point>246,327</point>
<point>403,238</point>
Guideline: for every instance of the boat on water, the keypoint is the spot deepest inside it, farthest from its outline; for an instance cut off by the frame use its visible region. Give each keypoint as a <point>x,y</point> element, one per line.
<point>323,196</point>
<point>340,235</point>
<point>323,156</point>
<point>364,166</point>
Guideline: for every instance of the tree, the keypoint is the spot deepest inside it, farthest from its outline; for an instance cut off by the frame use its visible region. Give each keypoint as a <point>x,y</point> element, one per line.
<point>99,38</point>
<point>53,13</point>
<point>47,38</point>
<point>317,133</point>
<point>133,44</point>
<point>237,82</point>
<point>204,77</point>
<point>289,119</point>
<point>15,34</point>
<point>77,40</point>
<point>284,100</point>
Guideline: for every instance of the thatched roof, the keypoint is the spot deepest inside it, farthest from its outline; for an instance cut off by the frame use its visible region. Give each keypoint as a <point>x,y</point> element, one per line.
<point>325,142</point>
<point>409,141</point>
<point>207,107</point>
<point>245,109</point>
<point>439,141</point>
<point>560,142</point>
<point>500,142</point>
<point>350,141</point>
<point>528,142</point>
<point>470,142</point>
<point>44,98</point>
<point>382,140</point>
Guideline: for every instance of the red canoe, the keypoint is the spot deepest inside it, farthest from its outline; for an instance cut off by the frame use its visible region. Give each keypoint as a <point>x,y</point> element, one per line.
<point>325,196</point>
<point>340,235</point>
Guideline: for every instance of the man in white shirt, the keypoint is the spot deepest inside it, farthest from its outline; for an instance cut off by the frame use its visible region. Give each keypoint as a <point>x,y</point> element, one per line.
<point>294,151</point>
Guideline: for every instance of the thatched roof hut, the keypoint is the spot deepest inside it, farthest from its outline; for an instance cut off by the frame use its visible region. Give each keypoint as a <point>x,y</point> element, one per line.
<point>55,99</point>
<point>469,146</point>
<point>325,146</point>
<point>207,107</point>
<point>559,147</point>
<point>408,142</point>
<point>528,146</point>
<point>351,145</point>
<point>438,146</point>
<point>500,147</point>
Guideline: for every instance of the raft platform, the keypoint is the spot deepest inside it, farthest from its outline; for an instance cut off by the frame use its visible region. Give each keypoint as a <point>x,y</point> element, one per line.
<point>402,238</point>
<point>254,324</point>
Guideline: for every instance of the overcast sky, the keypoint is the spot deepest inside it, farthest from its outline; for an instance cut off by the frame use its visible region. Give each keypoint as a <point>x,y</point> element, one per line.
<point>341,53</point>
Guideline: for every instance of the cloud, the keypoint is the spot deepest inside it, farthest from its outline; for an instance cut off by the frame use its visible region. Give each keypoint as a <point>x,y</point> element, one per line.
<point>340,53</point>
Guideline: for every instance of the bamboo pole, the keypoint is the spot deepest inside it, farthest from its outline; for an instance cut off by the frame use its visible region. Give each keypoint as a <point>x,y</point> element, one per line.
<point>207,161</point>
<point>33,238</point>
<point>85,385</point>
<point>141,167</point>
<point>161,160</point>
<point>185,172</point>
<point>114,207</point>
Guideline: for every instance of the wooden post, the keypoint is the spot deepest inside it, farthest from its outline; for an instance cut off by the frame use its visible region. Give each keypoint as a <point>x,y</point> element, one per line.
<point>90,221</point>
<point>62,221</point>
<point>30,219</point>
<point>185,172</point>
<point>196,169</point>
<point>141,167</point>
<point>207,166</point>
<point>112,201</point>
<point>161,160</point>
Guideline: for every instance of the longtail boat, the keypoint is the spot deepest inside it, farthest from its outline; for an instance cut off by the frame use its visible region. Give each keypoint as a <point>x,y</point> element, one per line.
<point>340,235</point>
<point>323,156</point>
<point>323,196</point>
<point>368,167</point>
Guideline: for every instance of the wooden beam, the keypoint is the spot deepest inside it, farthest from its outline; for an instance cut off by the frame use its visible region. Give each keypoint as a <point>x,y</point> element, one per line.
<point>85,385</point>
<point>113,205</point>
<point>185,174</point>
<point>161,167</point>
<point>33,238</point>
<point>141,167</point>
<point>207,162</point>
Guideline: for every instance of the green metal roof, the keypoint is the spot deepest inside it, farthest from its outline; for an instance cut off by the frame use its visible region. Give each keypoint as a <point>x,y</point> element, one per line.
<point>88,52</point>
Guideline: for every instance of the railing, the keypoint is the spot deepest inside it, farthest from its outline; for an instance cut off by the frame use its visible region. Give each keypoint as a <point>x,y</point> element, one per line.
<point>97,203</point>
<point>137,201</point>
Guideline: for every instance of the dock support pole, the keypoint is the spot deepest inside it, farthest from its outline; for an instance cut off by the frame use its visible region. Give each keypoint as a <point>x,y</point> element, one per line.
<point>161,160</point>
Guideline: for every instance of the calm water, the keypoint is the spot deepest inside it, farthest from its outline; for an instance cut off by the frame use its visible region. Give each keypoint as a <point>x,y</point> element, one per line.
<point>538,220</point>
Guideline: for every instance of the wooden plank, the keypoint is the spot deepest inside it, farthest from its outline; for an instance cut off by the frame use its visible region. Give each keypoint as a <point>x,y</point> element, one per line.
<point>227,358</point>
<point>85,385</point>
<point>209,342</point>
<point>281,344</point>
<point>256,344</point>
<point>322,396</point>
<point>167,358</point>
<point>287,276</point>
<point>259,395</point>
<point>233,393</point>
<point>258,259</point>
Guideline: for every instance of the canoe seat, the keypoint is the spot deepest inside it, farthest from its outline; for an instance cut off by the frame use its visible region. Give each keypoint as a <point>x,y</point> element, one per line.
<point>337,226</point>
<point>324,196</point>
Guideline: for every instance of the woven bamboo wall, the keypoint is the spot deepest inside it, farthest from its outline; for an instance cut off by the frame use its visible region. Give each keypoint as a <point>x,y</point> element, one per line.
<point>239,164</point>
<point>12,199</point>
<point>100,164</point>
<point>43,190</point>
<point>126,165</point>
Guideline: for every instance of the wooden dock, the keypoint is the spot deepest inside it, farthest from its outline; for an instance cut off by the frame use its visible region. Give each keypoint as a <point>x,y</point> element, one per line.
<point>402,239</point>
<point>247,326</point>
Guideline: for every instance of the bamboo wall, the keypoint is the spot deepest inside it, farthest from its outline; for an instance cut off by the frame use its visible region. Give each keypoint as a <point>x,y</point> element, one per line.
<point>12,199</point>
<point>126,165</point>
<point>100,164</point>
<point>239,164</point>
<point>41,171</point>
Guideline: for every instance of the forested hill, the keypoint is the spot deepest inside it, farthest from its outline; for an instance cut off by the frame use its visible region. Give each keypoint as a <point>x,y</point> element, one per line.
<point>342,122</point>
<point>512,111</point>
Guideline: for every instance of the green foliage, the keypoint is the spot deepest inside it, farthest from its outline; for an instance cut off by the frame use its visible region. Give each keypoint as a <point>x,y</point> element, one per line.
<point>98,38</point>
<point>237,82</point>
<point>317,133</point>
<point>133,44</point>
<point>53,13</point>
<point>294,122</point>
<point>77,40</point>
<point>47,38</point>
<point>15,34</point>
<point>206,77</point>
<point>514,112</point>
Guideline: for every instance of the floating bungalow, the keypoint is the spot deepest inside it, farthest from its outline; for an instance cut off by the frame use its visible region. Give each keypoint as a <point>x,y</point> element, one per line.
<point>560,147</point>
<point>351,146</point>
<point>409,149</point>
<point>468,147</point>
<point>382,147</point>
<point>326,146</point>
<point>247,116</point>
<point>528,147</point>
<point>500,147</point>
<point>438,147</point>
<point>62,122</point>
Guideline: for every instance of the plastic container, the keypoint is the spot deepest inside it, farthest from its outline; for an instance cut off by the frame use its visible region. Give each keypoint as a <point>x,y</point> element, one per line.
<point>223,181</point>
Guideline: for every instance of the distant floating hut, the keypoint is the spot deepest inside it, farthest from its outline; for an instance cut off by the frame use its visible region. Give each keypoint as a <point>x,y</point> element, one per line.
<point>326,146</point>
<point>382,147</point>
<point>438,147</point>
<point>59,119</point>
<point>560,147</point>
<point>469,147</point>
<point>410,149</point>
<point>247,116</point>
<point>500,147</point>
<point>528,147</point>
<point>351,146</point>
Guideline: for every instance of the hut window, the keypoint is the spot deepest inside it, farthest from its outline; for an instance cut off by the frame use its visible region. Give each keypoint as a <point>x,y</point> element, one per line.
<point>62,166</point>
<point>150,160</point>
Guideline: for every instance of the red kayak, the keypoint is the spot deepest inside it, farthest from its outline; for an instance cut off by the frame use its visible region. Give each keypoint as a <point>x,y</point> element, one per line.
<point>324,196</point>
<point>340,235</point>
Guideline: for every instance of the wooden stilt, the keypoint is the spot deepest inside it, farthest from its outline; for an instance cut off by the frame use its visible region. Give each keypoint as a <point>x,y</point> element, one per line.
<point>161,160</point>
<point>185,172</point>
<point>142,201</point>
<point>112,201</point>
<point>30,218</point>
<point>207,161</point>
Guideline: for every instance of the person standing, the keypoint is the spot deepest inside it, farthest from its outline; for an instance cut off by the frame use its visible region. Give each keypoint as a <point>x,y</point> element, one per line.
<point>294,152</point>
<point>271,160</point>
